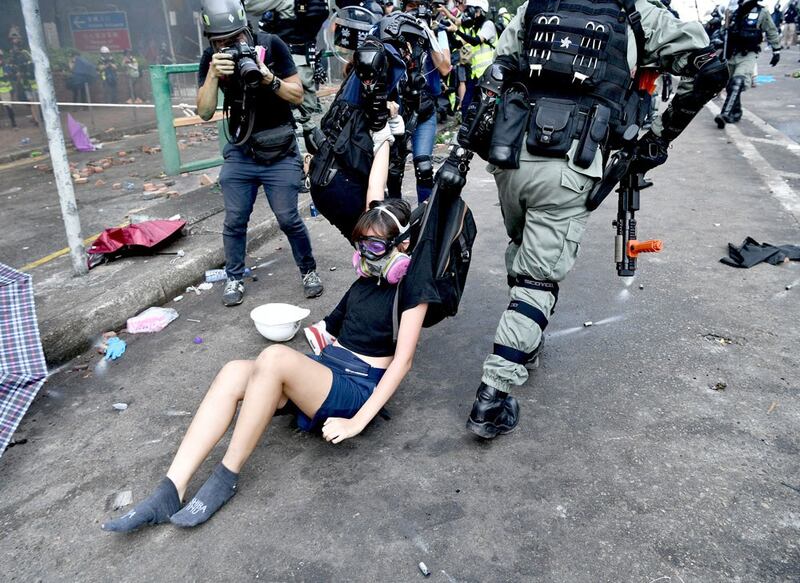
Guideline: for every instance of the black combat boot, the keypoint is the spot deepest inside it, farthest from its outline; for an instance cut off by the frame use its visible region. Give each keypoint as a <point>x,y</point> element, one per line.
<point>492,415</point>
<point>735,87</point>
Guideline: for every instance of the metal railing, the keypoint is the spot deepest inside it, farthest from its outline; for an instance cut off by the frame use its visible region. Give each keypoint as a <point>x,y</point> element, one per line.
<point>162,97</point>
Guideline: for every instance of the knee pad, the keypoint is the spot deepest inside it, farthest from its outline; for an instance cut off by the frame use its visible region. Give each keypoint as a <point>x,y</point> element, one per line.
<point>423,169</point>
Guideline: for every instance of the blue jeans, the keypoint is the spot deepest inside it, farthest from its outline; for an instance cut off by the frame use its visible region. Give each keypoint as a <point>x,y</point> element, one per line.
<point>240,178</point>
<point>422,145</point>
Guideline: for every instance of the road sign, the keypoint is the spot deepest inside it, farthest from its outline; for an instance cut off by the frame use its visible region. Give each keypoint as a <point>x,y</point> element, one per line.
<point>92,30</point>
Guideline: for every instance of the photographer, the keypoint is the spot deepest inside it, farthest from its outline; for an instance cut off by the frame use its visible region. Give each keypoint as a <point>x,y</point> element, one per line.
<point>262,148</point>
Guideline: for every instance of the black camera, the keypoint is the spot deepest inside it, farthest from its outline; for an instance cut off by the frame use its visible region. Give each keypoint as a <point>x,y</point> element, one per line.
<point>244,58</point>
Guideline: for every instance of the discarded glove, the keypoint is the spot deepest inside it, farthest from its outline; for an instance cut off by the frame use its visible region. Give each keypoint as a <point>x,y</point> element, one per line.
<point>751,253</point>
<point>115,347</point>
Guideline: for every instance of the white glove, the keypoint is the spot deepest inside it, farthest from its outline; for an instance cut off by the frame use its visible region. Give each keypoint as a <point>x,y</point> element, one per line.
<point>382,135</point>
<point>397,125</point>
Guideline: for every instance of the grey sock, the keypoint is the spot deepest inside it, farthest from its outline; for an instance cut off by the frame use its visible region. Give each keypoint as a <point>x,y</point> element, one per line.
<point>155,509</point>
<point>218,489</point>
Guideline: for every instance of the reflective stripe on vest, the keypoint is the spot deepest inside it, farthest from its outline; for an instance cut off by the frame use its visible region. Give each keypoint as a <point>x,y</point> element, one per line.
<point>481,58</point>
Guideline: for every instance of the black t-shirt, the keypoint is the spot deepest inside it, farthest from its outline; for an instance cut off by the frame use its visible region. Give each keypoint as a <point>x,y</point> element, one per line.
<point>362,322</point>
<point>271,110</point>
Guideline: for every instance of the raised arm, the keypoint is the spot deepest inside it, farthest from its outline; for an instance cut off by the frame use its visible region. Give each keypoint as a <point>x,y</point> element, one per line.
<point>337,429</point>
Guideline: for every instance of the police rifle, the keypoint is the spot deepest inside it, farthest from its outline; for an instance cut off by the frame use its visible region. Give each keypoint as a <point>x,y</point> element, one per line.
<point>618,172</point>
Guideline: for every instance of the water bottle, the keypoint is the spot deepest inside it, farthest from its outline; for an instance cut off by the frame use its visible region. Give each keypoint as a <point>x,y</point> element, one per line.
<point>213,275</point>
<point>314,211</point>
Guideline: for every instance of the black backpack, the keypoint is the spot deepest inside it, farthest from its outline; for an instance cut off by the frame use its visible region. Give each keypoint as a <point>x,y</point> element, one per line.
<point>443,233</point>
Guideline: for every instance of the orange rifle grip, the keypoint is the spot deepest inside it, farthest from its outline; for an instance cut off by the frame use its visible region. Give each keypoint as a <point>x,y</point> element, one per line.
<point>649,246</point>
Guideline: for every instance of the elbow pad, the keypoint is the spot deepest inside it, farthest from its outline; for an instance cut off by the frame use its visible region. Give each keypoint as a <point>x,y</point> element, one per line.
<point>710,76</point>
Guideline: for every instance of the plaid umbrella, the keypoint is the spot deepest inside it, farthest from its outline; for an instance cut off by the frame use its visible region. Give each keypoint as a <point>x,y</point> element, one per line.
<point>22,366</point>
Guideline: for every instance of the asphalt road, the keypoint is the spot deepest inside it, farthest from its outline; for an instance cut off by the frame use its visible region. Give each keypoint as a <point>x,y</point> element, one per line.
<point>659,444</point>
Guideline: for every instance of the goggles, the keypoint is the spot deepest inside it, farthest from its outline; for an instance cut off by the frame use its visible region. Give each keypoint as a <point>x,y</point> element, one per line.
<point>373,248</point>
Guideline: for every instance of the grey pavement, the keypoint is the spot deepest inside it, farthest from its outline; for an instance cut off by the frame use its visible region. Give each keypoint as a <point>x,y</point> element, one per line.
<point>659,444</point>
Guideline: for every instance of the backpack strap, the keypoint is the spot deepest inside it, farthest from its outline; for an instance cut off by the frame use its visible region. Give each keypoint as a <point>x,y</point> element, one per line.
<point>635,22</point>
<point>396,314</point>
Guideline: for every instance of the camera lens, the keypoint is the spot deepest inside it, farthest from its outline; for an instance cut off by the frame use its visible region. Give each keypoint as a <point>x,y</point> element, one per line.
<point>249,72</point>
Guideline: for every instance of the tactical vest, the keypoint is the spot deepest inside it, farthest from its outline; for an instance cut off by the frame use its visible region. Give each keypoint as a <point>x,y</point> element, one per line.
<point>745,36</point>
<point>309,15</point>
<point>574,65</point>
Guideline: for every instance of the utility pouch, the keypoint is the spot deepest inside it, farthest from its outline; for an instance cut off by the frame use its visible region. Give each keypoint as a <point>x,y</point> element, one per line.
<point>322,168</point>
<point>269,146</point>
<point>510,123</point>
<point>594,134</point>
<point>551,127</point>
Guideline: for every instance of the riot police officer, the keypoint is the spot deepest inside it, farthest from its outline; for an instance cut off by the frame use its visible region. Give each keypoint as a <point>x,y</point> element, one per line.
<point>569,70</point>
<point>745,34</point>
<point>297,23</point>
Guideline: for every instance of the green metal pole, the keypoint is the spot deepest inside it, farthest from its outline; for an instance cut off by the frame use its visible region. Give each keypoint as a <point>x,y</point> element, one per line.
<point>159,78</point>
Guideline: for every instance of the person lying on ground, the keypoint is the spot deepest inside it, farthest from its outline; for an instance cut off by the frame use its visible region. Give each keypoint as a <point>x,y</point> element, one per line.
<point>338,392</point>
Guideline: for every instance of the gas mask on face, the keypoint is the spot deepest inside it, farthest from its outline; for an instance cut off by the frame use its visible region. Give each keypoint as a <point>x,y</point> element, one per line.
<point>379,257</point>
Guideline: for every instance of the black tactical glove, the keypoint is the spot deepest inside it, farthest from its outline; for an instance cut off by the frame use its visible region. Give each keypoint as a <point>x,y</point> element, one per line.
<point>451,176</point>
<point>650,151</point>
<point>776,56</point>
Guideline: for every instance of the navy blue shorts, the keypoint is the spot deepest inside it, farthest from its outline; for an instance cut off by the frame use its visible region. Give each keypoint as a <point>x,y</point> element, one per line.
<point>353,383</point>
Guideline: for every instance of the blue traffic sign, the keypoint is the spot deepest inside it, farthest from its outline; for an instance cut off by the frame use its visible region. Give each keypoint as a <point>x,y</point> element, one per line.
<point>98,21</point>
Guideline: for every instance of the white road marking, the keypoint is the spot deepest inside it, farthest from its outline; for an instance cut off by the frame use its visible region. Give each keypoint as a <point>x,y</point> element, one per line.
<point>792,147</point>
<point>784,193</point>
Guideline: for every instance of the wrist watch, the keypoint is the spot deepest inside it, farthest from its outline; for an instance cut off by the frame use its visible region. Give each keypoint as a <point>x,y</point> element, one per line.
<point>276,83</point>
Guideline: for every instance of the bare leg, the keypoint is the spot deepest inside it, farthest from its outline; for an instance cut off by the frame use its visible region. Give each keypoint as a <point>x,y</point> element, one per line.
<point>211,421</point>
<point>279,373</point>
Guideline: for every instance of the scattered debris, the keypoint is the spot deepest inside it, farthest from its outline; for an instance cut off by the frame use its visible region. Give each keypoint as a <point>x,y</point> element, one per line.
<point>206,180</point>
<point>198,340</point>
<point>772,407</point>
<point>23,441</point>
<point>789,286</point>
<point>587,324</point>
<point>718,339</point>
<point>423,568</point>
<point>333,268</point>
<point>177,413</point>
<point>80,367</point>
<point>641,286</point>
<point>116,186</point>
<point>751,253</point>
<point>205,286</point>
<point>213,275</point>
<point>152,319</point>
<point>192,320</point>
<point>100,182</point>
<point>120,406</point>
<point>177,298</point>
<point>122,499</point>
<point>720,386</point>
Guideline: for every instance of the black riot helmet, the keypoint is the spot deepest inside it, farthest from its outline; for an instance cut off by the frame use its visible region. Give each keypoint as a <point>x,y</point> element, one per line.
<point>370,62</point>
<point>400,28</point>
<point>223,18</point>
